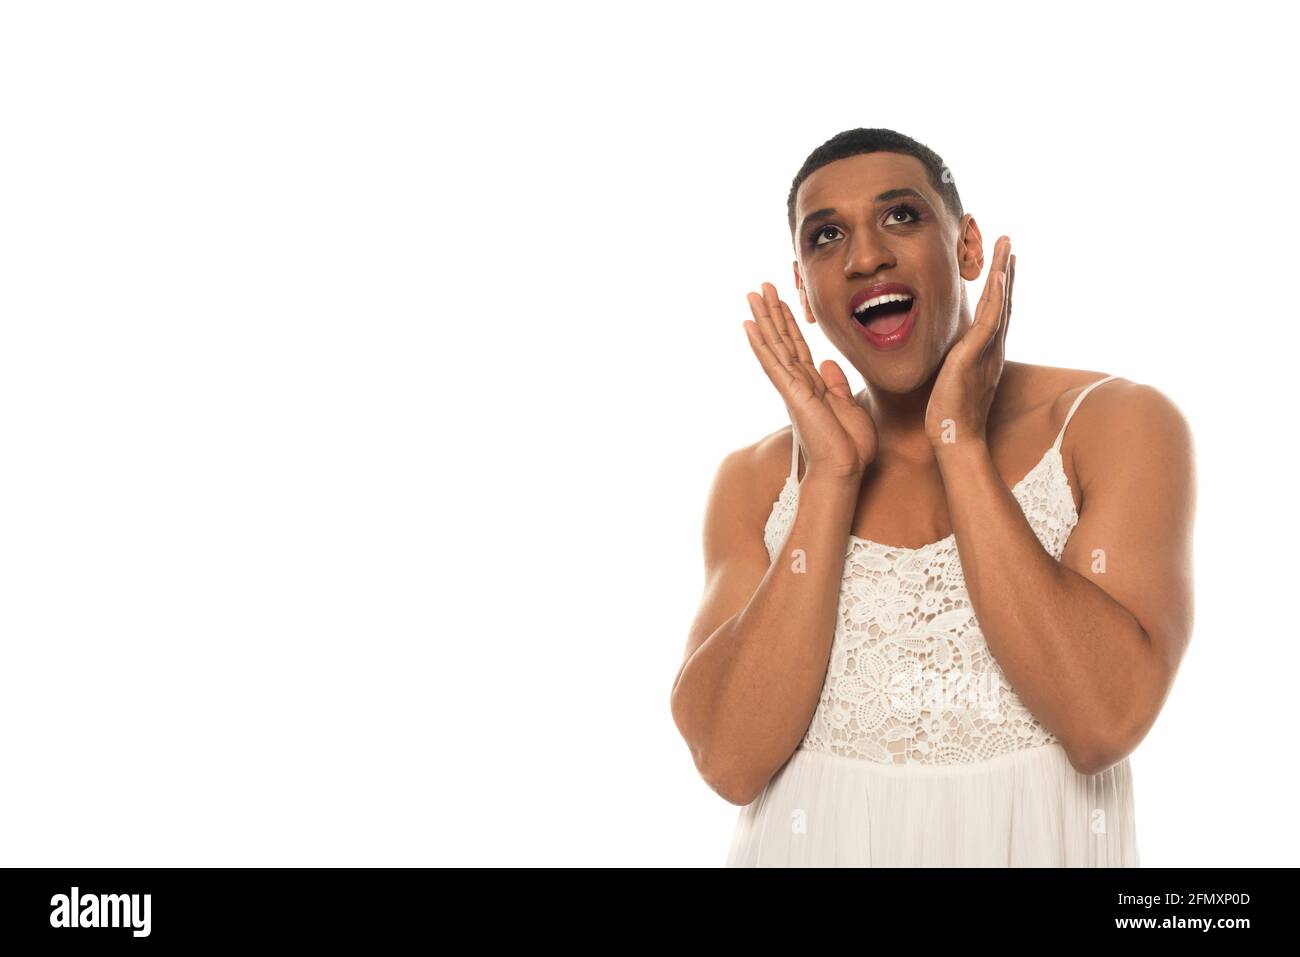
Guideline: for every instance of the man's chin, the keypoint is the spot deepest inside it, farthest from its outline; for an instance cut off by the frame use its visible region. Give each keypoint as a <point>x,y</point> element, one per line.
<point>900,376</point>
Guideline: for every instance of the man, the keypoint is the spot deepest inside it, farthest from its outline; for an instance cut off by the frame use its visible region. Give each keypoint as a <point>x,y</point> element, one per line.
<point>926,457</point>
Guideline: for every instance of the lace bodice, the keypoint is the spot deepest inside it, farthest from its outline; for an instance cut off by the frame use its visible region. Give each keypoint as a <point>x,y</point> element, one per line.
<point>910,679</point>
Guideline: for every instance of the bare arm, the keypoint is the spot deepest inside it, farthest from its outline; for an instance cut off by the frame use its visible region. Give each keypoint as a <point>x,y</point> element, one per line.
<point>758,650</point>
<point>1091,643</point>
<point>757,653</point>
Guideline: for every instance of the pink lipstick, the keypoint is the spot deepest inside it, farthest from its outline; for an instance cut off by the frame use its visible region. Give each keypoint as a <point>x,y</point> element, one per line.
<point>885,313</point>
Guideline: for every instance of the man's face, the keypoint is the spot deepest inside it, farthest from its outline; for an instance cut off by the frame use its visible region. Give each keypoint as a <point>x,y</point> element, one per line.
<point>888,226</point>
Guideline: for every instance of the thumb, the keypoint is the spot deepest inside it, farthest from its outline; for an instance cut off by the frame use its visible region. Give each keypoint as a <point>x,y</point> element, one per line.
<point>836,382</point>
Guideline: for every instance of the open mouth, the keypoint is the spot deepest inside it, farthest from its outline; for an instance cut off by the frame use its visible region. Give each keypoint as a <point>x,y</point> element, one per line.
<point>884,314</point>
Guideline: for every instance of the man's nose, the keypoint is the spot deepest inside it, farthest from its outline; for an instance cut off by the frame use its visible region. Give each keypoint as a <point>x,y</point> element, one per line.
<point>867,254</point>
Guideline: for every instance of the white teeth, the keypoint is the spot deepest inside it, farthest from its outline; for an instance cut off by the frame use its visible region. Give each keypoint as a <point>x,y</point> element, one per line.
<point>881,300</point>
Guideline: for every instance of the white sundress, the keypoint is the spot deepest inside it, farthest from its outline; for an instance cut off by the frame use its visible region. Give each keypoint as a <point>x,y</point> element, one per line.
<point>891,773</point>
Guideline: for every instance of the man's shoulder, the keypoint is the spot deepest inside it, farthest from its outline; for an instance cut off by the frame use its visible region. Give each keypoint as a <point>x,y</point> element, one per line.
<point>1116,404</point>
<point>758,465</point>
<point>1033,387</point>
<point>1040,392</point>
<point>748,481</point>
<point>1120,421</point>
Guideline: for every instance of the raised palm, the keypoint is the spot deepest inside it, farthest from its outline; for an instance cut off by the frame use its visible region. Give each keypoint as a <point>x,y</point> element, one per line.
<point>837,433</point>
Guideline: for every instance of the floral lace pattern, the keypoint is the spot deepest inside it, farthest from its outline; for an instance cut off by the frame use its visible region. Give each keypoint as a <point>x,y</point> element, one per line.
<point>910,679</point>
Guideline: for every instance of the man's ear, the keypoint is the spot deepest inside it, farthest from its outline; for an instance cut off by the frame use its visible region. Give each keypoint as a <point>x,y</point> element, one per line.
<point>803,294</point>
<point>970,248</point>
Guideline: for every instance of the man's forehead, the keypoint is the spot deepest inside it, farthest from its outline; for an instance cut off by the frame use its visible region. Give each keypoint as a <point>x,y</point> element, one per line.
<point>862,176</point>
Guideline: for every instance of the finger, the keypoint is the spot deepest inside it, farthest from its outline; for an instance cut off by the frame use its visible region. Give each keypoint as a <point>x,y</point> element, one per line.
<point>781,319</point>
<point>1011,289</point>
<point>990,281</point>
<point>758,304</point>
<point>800,345</point>
<point>998,344</point>
<point>777,371</point>
<point>772,300</point>
<point>1011,285</point>
<point>985,326</point>
<point>993,319</point>
<point>837,382</point>
<point>1003,302</point>
<point>802,354</point>
<point>1001,252</point>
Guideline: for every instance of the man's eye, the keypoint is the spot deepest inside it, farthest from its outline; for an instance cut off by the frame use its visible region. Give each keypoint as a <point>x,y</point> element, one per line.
<point>906,214</point>
<point>904,210</point>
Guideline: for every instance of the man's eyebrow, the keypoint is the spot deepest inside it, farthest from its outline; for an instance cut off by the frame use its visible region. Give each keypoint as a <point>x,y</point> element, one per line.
<point>888,194</point>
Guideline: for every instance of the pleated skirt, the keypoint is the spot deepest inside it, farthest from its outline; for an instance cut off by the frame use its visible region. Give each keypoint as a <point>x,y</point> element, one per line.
<point>1030,808</point>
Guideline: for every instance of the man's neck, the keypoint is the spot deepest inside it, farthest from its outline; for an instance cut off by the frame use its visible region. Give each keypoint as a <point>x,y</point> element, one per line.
<point>900,422</point>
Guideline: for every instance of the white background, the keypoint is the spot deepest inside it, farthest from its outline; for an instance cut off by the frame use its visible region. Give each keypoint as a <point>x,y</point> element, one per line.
<point>364,368</point>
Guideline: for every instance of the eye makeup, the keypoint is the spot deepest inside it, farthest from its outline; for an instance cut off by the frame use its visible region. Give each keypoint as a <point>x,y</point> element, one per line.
<point>909,209</point>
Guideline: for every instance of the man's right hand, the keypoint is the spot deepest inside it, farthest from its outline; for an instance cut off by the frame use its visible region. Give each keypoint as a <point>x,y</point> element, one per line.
<point>837,434</point>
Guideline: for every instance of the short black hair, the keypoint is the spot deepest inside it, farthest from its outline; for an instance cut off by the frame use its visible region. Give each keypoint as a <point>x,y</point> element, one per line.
<point>853,142</point>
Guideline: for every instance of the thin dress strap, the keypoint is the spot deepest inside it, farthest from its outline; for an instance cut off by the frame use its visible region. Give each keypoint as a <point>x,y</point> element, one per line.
<point>1060,435</point>
<point>794,453</point>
